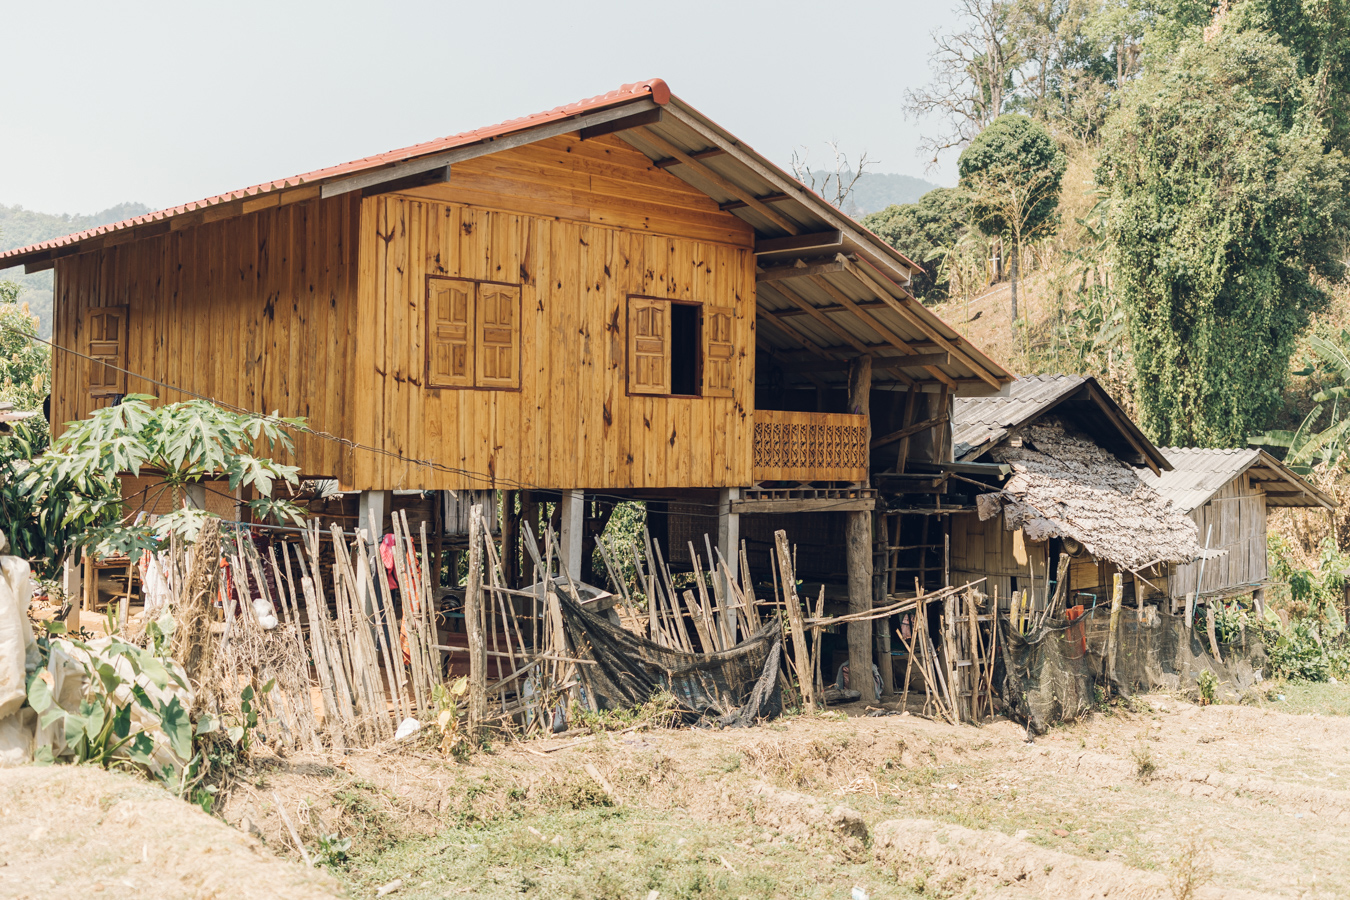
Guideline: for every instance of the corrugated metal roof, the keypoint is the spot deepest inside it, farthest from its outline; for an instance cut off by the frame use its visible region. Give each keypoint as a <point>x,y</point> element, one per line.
<point>1199,473</point>
<point>654,89</point>
<point>978,422</point>
<point>864,269</point>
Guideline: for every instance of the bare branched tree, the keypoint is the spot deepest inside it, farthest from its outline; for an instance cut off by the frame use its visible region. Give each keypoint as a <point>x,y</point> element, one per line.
<point>835,185</point>
<point>972,75</point>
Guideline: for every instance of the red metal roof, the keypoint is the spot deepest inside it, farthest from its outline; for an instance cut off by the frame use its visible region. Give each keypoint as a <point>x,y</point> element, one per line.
<point>653,89</point>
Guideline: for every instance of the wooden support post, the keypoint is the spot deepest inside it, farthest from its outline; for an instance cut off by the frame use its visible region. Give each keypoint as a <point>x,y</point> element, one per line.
<point>573,524</point>
<point>728,536</point>
<point>377,504</point>
<point>510,541</point>
<point>473,626</point>
<point>1112,638</point>
<point>881,632</point>
<point>858,549</point>
<point>89,596</point>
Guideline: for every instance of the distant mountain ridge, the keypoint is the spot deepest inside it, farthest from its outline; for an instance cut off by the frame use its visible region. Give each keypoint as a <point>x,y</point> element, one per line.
<point>877,190</point>
<point>20,227</point>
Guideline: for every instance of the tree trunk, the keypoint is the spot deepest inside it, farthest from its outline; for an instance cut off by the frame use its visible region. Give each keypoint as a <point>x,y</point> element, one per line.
<point>1012,280</point>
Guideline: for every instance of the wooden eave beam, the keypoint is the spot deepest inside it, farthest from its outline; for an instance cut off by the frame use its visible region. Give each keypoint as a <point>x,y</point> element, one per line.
<point>901,306</point>
<point>791,296</point>
<point>763,346</point>
<point>875,324</point>
<point>798,269</point>
<point>903,362</point>
<point>700,155</point>
<point>726,184</point>
<point>908,431</point>
<point>528,135</point>
<point>793,334</point>
<point>408,182</point>
<point>730,205</point>
<point>646,117</point>
<point>819,240</point>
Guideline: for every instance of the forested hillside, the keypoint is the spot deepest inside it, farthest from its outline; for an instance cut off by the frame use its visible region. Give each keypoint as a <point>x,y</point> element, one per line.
<point>1156,194</point>
<point>20,227</point>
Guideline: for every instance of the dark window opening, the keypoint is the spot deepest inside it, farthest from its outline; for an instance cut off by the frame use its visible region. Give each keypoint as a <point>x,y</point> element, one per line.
<point>684,349</point>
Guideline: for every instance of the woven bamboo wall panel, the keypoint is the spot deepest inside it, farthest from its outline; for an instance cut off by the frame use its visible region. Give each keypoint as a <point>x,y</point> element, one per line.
<point>798,446</point>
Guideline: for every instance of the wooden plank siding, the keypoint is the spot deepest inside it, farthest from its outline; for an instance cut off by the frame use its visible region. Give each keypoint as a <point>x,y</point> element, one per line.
<point>256,311</point>
<point>1238,516</point>
<point>572,423</point>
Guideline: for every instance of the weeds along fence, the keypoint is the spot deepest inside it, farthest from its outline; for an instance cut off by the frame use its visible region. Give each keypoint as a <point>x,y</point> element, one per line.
<point>339,640</point>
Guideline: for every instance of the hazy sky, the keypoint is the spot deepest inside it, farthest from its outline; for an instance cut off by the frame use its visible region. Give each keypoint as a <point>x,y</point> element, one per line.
<point>163,103</point>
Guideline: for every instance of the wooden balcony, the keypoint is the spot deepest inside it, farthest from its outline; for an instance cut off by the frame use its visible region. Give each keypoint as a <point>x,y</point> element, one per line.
<point>800,446</point>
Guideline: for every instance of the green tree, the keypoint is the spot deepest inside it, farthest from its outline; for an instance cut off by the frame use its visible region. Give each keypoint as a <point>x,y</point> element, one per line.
<point>70,497</point>
<point>1225,203</point>
<point>1011,175</point>
<point>25,364</point>
<point>925,231</point>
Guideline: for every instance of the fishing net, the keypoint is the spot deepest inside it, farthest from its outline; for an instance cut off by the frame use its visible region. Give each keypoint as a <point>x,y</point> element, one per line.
<point>735,687</point>
<point>1052,674</point>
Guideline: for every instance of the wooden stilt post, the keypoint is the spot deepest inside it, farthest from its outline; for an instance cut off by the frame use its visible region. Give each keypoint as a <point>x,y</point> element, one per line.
<point>858,549</point>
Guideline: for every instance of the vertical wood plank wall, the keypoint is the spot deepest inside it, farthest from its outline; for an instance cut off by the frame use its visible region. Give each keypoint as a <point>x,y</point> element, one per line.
<point>256,311</point>
<point>1238,514</point>
<point>572,423</point>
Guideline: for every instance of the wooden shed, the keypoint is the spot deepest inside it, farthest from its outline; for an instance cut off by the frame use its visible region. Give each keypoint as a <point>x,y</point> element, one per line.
<point>1067,483</point>
<point>1227,493</point>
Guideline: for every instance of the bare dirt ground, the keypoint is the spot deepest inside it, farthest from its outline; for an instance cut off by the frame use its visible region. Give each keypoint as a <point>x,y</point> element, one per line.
<point>78,831</point>
<point>1157,799</point>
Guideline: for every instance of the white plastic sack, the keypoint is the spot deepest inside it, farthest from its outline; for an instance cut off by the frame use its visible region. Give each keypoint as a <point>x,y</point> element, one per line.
<point>16,738</point>
<point>18,649</point>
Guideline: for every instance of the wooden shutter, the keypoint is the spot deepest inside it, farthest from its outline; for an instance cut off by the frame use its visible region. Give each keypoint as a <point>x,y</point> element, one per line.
<point>450,333</point>
<point>719,351</point>
<point>648,346</point>
<point>106,328</point>
<point>498,336</point>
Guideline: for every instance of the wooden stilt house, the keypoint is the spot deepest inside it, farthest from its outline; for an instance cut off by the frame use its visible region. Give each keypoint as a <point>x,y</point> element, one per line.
<point>614,299</point>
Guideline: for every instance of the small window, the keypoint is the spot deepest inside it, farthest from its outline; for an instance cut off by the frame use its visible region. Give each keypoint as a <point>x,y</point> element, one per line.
<point>106,328</point>
<point>473,334</point>
<point>684,349</point>
<point>677,348</point>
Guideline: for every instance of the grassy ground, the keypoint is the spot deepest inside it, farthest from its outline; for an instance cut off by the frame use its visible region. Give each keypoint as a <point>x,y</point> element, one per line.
<point>1252,801</point>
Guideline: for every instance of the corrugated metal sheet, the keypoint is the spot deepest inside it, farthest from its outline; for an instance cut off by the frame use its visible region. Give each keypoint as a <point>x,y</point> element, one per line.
<point>654,89</point>
<point>730,172</point>
<point>1200,473</point>
<point>978,422</point>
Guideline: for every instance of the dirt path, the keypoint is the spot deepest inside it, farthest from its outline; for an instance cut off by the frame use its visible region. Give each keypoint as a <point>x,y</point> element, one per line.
<point>1241,801</point>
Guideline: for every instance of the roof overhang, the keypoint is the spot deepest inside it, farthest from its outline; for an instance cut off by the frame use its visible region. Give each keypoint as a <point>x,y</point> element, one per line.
<point>829,290</point>
<point>1285,487</point>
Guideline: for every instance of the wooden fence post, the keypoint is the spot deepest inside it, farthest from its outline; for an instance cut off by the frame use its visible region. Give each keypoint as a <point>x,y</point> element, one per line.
<point>805,671</point>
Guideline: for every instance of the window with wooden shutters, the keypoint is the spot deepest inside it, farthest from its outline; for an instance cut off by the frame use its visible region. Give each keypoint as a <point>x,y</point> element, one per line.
<point>473,334</point>
<point>498,336</point>
<point>648,346</point>
<point>719,351</point>
<point>106,328</point>
<point>450,333</point>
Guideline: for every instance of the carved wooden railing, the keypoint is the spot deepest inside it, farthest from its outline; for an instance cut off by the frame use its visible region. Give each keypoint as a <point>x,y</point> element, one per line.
<point>798,446</point>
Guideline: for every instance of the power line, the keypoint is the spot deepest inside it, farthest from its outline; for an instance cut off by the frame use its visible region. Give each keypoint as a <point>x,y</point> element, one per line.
<point>490,481</point>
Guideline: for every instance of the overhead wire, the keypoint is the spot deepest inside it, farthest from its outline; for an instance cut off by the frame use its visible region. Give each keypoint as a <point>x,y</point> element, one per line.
<point>490,481</point>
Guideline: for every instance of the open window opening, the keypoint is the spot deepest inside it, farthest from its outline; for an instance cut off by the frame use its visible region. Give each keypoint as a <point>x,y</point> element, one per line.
<point>684,348</point>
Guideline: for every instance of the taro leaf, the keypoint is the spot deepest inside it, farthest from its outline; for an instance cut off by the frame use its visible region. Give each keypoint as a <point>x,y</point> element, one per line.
<point>207,724</point>
<point>174,720</point>
<point>142,697</point>
<point>122,723</point>
<point>138,750</point>
<point>155,670</point>
<point>247,693</point>
<point>108,675</point>
<point>39,692</point>
<point>236,733</point>
<point>94,717</point>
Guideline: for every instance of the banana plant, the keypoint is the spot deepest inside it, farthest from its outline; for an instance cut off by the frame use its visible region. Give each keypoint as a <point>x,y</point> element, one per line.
<point>1318,442</point>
